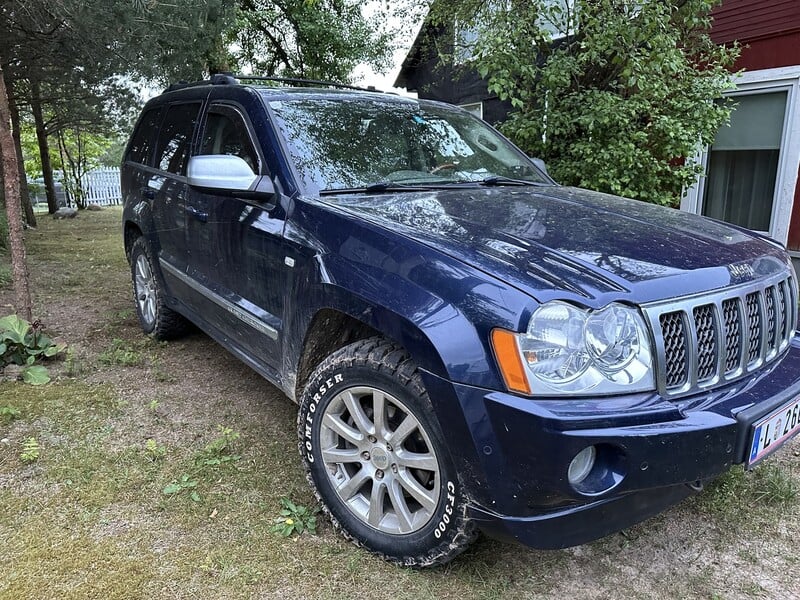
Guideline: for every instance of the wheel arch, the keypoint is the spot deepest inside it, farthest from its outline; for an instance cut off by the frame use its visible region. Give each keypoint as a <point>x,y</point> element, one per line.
<point>353,325</point>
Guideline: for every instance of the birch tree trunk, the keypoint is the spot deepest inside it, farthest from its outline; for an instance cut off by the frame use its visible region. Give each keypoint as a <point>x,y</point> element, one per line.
<point>19,267</point>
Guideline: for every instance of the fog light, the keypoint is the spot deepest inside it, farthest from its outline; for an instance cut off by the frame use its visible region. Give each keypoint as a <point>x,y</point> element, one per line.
<point>581,465</point>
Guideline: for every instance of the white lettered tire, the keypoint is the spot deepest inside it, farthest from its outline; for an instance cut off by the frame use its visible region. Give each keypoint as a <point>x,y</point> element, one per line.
<point>375,456</point>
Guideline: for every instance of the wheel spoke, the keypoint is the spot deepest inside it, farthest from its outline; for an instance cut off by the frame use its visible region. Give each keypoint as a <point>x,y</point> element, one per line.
<point>341,428</point>
<point>341,455</point>
<point>376,503</point>
<point>400,506</point>
<point>415,460</point>
<point>425,497</point>
<point>403,430</point>
<point>350,487</point>
<point>379,412</point>
<point>150,306</point>
<point>357,412</point>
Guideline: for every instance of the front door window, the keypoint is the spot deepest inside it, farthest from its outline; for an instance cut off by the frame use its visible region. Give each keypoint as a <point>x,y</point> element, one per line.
<point>743,162</point>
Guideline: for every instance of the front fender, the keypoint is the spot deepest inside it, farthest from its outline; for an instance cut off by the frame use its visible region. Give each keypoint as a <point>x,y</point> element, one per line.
<point>447,332</point>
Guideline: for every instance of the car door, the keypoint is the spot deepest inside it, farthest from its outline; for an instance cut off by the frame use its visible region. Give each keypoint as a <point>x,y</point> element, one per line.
<point>235,246</point>
<point>166,185</point>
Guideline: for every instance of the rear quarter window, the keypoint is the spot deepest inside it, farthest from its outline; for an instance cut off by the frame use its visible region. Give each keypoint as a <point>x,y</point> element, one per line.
<point>140,148</point>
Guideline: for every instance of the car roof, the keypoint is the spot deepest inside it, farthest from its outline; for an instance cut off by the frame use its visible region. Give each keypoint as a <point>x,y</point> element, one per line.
<point>277,92</point>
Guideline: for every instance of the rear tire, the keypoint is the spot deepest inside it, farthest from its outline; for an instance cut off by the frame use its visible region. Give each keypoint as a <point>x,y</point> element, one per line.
<point>155,317</point>
<point>375,456</point>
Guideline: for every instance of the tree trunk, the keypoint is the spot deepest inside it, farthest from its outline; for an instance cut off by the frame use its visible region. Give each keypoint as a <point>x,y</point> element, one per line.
<point>25,196</point>
<point>44,147</point>
<point>19,267</point>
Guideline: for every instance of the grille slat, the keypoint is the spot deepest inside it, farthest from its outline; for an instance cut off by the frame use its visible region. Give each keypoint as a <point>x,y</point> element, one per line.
<point>772,325</point>
<point>730,310</point>
<point>706,342</point>
<point>675,343</point>
<point>753,327</point>
<point>734,333</point>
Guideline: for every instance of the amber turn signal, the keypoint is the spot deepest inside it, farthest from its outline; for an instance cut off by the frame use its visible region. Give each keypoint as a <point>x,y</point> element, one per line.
<point>506,351</point>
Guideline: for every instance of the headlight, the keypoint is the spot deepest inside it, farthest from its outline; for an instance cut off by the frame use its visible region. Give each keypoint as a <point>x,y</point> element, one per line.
<point>568,350</point>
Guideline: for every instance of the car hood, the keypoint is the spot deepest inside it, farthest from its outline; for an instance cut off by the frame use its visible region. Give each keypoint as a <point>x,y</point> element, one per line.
<point>569,243</point>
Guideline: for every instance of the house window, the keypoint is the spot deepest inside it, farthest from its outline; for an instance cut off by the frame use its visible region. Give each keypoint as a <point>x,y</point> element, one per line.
<point>475,108</point>
<point>743,162</point>
<point>751,167</point>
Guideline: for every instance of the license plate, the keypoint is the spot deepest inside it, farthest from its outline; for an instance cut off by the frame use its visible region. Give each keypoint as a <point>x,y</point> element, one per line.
<point>771,432</point>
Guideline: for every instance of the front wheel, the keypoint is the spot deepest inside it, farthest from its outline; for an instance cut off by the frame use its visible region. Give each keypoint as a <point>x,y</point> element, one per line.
<point>374,454</point>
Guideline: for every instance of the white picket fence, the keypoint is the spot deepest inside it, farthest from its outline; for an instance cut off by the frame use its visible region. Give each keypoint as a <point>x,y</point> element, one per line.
<point>102,186</point>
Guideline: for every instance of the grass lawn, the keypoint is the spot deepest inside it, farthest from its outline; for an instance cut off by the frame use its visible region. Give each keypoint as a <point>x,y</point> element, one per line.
<point>127,420</point>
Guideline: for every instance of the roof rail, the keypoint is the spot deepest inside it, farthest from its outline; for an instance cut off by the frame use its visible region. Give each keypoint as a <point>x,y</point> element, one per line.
<point>231,79</point>
<point>308,82</point>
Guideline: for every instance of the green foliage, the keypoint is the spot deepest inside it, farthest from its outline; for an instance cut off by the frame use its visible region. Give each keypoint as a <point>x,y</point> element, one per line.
<point>3,230</point>
<point>155,451</point>
<point>8,414</point>
<point>22,343</point>
<point>120,354</point>
<point>185,483</point>
<point>295,518</point>
<point>766,485</point>
<point>620,102</point>
<point>30,451</point>
<point>5,276</point>
<point>316,39</point>
<point>219,450</point>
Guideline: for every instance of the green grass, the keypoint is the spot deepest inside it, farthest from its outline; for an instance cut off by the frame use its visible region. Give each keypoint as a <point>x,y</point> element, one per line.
<point>126,418</point>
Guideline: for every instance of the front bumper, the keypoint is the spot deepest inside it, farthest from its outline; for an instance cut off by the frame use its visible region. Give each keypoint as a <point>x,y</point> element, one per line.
<point>514,452</point>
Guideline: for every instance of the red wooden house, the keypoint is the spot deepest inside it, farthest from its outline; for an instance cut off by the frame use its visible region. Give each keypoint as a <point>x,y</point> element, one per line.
<point>752,167</point>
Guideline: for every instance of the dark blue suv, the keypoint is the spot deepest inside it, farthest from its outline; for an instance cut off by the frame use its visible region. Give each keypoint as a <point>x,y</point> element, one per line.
<point>472,346</point>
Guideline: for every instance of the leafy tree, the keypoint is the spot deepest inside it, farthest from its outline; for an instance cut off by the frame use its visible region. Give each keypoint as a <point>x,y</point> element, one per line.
<point>613,95</point>
<point>315,39</point>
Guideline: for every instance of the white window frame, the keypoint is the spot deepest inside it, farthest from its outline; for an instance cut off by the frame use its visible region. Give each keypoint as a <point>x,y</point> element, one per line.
<point>760,82</point>
<point>471,106</point>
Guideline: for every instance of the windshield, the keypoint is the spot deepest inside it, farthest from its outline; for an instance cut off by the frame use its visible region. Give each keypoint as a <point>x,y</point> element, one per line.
<point>354,143</point>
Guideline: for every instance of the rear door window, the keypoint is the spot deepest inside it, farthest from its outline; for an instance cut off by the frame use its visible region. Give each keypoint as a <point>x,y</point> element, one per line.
<point>175,137</point>
<point>140,149</point>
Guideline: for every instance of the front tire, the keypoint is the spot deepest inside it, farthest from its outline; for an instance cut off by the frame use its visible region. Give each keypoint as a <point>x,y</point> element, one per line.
<point>155,317</point>
<point>375,456</point>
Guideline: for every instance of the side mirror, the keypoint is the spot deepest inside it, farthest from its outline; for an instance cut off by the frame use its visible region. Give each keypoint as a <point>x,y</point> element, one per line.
<point>227,175</point>
<point>540,165</point>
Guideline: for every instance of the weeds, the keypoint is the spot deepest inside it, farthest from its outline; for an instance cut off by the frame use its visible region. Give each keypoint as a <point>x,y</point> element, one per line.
<point>155,451</point>
<point>8,414</point>
<point>181,485</point>
<point>295,518</point>
<point>23,343</point>
<point>30,451</point>
<point>120,354</point>
<point>218,450</point>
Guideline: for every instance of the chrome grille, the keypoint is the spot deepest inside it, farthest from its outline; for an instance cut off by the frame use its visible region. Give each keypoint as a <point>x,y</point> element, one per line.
<point>717,338</point>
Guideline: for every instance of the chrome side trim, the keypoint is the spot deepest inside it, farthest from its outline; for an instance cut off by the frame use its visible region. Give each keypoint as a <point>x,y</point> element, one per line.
<point>246,317</point>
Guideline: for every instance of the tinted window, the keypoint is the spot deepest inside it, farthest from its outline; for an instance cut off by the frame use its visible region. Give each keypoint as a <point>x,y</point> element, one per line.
<point>140,149</point>
<point>226,133</point>
<point>175,137</point>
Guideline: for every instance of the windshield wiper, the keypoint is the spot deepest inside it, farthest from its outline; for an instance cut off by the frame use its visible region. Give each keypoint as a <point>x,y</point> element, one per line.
<point>500,180</point>
<point>376,188</point>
